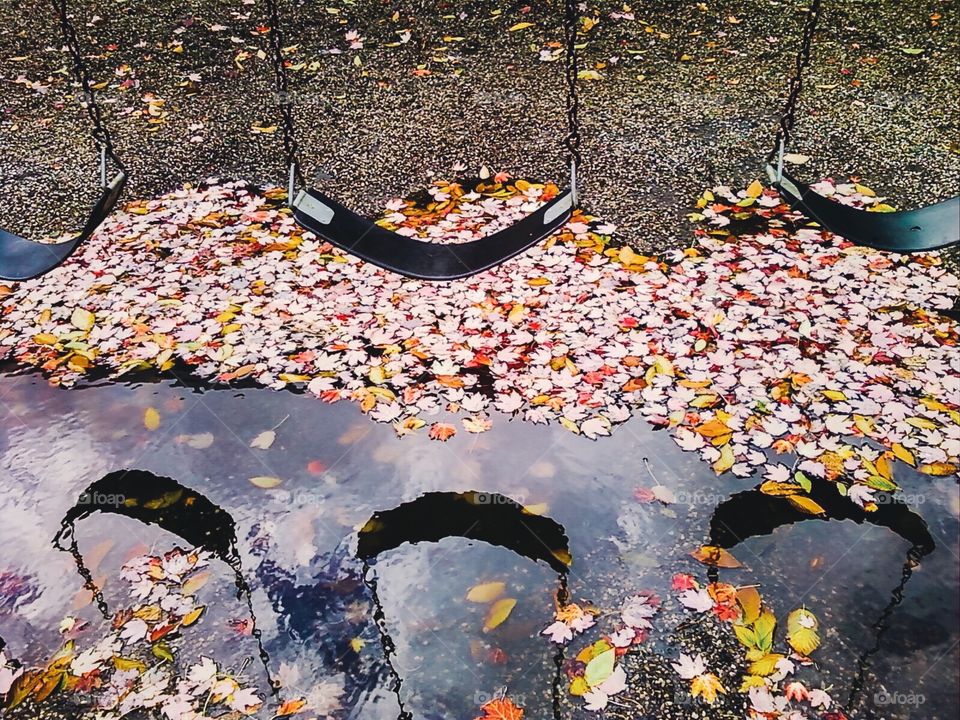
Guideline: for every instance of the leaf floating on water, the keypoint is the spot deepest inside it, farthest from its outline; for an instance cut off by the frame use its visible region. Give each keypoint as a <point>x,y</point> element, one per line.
<point>264,440</point>
<point>265,481</point>
<point>486,592</point>
<point>291,707</point>
<point>802,626</point>
<point>939,469</point>
<point>716,557</point>
<point>779,489</point>
<point>442,431</point>
<point>165,500</point>
<point>726,461</point>
<point>151,419</point>
<point>806,504</point>
<point>500,709</point>
<point>600,667</point>
<point>201,441</point>
<point>536,509</point>
<point>191,617</point>
<point>498,614</point>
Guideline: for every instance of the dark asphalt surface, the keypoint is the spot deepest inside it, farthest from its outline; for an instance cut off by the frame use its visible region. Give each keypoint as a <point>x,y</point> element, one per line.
<point>687,98</point>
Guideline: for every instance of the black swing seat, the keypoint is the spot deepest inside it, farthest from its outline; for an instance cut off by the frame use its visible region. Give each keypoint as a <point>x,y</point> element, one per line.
<point>22,259</point>
<point>414,258</point>
<point>929,228</point>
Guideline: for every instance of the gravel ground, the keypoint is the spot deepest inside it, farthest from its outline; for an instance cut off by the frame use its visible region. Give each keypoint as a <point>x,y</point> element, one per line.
<point>687,97</point>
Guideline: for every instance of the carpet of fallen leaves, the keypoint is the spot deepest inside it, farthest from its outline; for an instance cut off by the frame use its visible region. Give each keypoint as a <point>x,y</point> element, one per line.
<point>767,338</point>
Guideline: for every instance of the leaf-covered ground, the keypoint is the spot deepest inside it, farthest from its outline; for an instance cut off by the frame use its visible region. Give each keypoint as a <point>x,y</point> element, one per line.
<point>765,338</point>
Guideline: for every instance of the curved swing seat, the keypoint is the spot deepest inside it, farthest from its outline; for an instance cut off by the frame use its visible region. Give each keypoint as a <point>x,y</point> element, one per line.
<point>929,228</point>
<point>413,258</point>
<point>22,259</point>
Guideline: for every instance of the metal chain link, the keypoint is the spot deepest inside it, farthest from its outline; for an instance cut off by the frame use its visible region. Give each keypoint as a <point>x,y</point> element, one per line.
<point>291,147</point>
<point>795,83</point>
<point>81,73</point>
<point>572,140</point>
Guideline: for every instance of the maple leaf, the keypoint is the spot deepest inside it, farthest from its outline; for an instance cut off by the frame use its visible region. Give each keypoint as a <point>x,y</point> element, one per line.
<point>500,709</point>
<point>442,431</point>
<point>707,686</point>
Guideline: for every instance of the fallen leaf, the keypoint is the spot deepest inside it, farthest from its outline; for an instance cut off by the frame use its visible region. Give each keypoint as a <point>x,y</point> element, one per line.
<point>486,592</point>
<point>151,419</point>
<point>498,613</point>
<point>716,557</point>
<point>500,709</point>
<point>264,440</point>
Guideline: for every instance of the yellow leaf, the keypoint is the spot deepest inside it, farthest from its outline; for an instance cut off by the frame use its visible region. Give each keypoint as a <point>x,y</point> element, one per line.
<point>357,644</point>
<point>520,26</point>
<point>749,599</point>
<point>750,681</point>
<point>834,395</point>
<point>151,419</point>
<point>148,613</point>
<point>579,686</point>
<point>589,75</point>
<point>765,665</point>
<point>291,706</point>
<point>538,282</point>
<point>82,319</point>
<point>191,617</point>
<point>499,612</point>
<point>706,686</point>
<point>265,481</point>
<point>713,428</point>
<point>771,487</point>
<point>938,468</point>
<point>922,423</point>
<point>715,556</point>
<point>126,664</point>
<point>726,461</point>
<point>755,189</point>
<point>536,509</point>
<point>802,633</point>
<point>45,339</point>
<point>486,592</point>
<point>904,455</point>
<point>805,504</point>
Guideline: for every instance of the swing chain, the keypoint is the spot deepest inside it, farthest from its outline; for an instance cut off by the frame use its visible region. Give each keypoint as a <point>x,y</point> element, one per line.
<point>795,84</point>
<point>572,140</point>
<point>291,147</point>
<point>81,74</point>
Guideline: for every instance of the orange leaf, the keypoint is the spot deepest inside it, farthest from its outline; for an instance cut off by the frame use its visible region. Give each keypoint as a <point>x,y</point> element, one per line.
<point>713,428</point>
<point>498,613</point>
<point>290,707</point>
<point>716,556</point>
<point>442,431</point>
<point>500,709</point>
